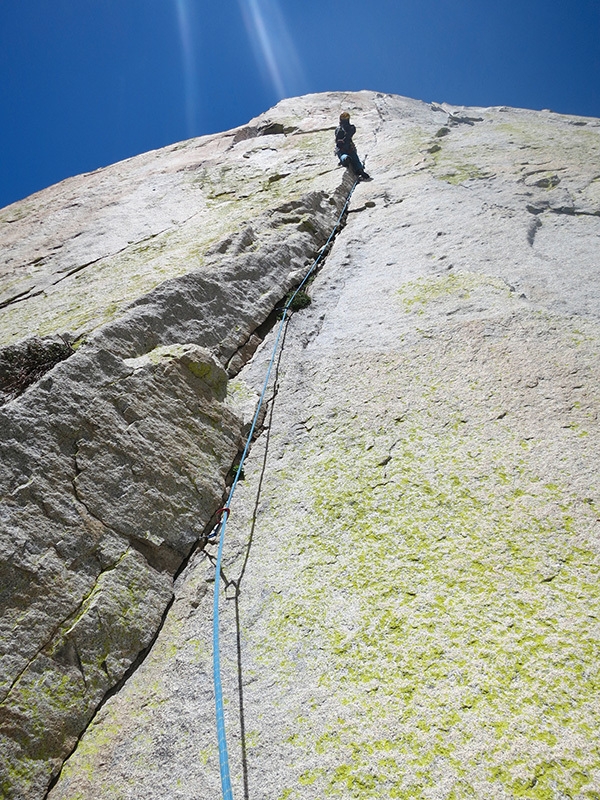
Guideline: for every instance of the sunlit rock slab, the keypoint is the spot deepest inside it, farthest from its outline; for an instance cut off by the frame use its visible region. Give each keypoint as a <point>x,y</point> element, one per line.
<point>116,459</point>
<point>412,608</point>
<point>76,254</point>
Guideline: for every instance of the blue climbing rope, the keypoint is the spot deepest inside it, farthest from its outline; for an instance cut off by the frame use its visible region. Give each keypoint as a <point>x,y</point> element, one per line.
<point>221,736</point>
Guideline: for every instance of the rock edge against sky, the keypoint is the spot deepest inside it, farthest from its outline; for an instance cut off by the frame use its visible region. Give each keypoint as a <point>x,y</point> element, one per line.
<point>417,612</point>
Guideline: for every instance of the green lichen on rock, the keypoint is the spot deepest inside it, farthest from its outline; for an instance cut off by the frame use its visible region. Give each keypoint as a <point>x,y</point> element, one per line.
<point>197,360</point>
<point>554,152</point>
<point>439,585</point>
<point>460,173</point>
<point>223,194</point>
<point>417,295</point>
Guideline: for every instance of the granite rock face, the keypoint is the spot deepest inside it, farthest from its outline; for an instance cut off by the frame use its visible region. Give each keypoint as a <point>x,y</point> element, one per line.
<point>125,295</point>
<point>411,600</point>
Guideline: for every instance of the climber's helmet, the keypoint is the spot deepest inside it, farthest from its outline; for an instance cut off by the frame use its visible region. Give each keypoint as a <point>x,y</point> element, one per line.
<point>344,116</point>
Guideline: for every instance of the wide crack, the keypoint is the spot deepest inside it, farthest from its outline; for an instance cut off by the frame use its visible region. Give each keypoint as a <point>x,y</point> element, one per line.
<point>260,333</point>
<point>245,352</point>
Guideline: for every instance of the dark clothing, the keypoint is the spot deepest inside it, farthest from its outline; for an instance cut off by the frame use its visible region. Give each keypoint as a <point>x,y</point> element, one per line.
<point>352,160</point>
<point>345,149</point>
<point>343,139</point>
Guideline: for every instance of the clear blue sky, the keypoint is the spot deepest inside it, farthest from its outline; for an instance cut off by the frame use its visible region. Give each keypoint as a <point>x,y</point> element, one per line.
<point>84,83</point>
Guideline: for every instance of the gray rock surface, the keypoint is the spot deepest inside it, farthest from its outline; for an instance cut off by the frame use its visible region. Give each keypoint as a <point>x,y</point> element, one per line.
<point>110,470</point>
<point>411,606</point>
<point>115,458</point>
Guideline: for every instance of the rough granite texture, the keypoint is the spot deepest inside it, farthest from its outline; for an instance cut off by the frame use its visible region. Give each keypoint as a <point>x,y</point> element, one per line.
<point>158,271</point>
<point>413,557</point>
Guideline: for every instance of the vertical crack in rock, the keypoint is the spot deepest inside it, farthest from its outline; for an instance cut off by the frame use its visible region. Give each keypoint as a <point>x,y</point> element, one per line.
<point>77,472</point>
<point>534,227</point>
<point>260,333</point>
<point>245,352</point>
<point>138,415</point>
<point>422,483</point>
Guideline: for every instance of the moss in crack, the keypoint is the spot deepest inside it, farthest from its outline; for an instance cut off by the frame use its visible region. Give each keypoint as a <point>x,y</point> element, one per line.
<point>299,300</point>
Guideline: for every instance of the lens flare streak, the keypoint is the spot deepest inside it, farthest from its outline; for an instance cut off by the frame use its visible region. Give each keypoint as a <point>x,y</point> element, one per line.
<point>273,46</point>
<point>189,64</point>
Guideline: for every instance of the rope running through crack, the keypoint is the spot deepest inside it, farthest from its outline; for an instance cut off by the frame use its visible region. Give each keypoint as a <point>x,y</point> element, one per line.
<point>225,511</point>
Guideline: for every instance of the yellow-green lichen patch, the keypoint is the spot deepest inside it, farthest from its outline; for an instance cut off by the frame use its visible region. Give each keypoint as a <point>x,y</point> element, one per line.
<point>460,173</point>
<point>409,148</point>
<point>101,742</point>
<point>232,194</point>
<point>435,606</point>
<point>415,296</point>
<point>454,625</point>
<point>15,212</point>
<point>564,144</point>
<point>238,391</point>
<point>489,149</point>
<point>140,714</point>
<point>314,142</point>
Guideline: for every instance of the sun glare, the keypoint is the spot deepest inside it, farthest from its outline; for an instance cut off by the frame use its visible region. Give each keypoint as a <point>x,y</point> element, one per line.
<point>273,46</point>
<point>189,64</point>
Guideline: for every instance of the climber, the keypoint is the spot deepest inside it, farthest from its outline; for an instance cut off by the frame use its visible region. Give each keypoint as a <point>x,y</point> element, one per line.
<point>345,149</point>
